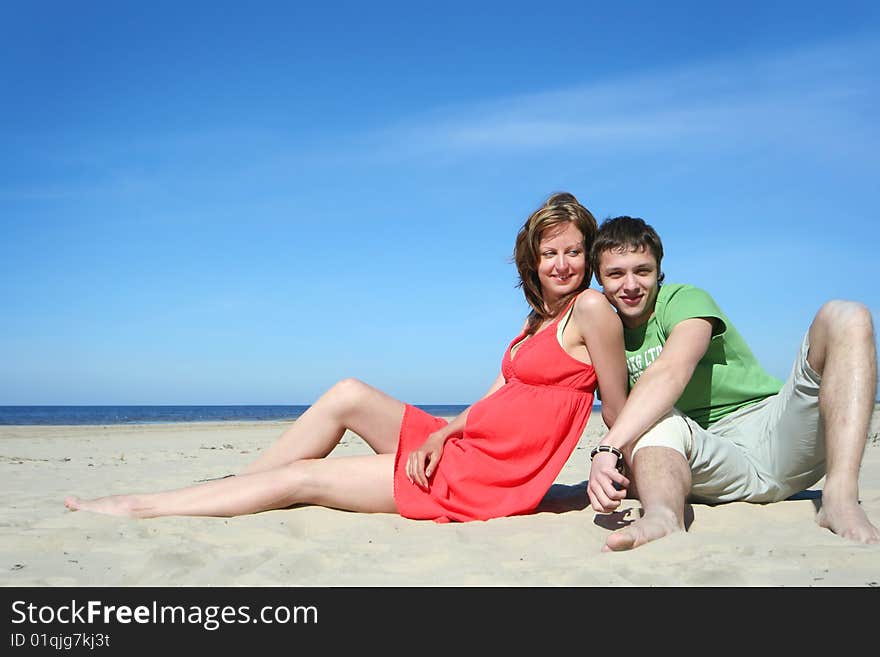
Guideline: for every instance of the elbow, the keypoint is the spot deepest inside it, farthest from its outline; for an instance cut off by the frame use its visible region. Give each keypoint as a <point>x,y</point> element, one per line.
<point>609,415</point>
<point>679,379</point>
<point>668,377</point>
<point>608,419</point>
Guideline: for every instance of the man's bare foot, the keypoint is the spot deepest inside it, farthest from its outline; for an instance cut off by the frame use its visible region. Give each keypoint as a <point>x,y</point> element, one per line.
<point>848,520</point>
<point>643,530</point>
<point>114,505</point>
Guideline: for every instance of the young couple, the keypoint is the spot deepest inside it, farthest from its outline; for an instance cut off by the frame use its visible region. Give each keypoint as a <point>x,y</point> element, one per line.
<point>692,414</point>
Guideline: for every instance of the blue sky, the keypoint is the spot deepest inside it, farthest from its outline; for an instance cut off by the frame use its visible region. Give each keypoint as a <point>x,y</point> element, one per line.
<point>241,203</point>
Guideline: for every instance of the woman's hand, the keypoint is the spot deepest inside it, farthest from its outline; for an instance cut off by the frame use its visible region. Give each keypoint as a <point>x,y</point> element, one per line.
<point>423,461</point>
<point>604,495</point>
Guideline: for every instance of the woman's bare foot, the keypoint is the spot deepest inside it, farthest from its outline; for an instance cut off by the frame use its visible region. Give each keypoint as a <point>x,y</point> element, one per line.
<point>114,505</point>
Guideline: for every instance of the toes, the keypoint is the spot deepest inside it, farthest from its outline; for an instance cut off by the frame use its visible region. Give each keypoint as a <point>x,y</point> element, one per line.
<point>621,540</point>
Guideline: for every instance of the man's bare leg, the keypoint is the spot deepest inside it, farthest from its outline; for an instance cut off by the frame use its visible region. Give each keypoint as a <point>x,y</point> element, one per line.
<point>664,480</point>
<point>842,351</point>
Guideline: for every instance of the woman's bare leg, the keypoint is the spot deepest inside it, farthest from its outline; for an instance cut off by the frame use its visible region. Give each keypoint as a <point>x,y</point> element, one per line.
<point>354,483</point>
<point>349,404</point>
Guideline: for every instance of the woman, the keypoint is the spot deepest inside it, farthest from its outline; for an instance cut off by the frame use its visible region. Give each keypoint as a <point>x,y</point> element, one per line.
<point>497,458</point>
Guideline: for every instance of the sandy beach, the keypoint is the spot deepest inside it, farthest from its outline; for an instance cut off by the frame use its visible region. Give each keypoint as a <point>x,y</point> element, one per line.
<point>44,544</point>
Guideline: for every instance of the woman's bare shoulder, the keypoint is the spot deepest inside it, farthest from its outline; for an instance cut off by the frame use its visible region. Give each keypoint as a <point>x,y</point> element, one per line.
<point>592,301</point>
<point>592,310</point>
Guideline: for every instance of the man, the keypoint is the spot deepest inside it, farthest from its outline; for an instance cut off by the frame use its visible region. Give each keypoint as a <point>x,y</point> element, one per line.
<point>705,421</point>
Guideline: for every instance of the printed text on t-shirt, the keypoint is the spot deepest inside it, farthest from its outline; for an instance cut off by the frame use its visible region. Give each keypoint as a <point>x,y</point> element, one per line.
<point>636,364</point>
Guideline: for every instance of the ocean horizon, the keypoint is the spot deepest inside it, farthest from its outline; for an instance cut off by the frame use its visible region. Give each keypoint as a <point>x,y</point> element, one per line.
<point>169,414</point>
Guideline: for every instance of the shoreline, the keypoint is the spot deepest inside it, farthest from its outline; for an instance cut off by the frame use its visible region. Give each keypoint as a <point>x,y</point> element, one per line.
<point>252,423</point>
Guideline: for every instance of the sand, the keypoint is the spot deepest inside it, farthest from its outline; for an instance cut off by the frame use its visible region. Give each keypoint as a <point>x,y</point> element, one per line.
<point>43,544</point>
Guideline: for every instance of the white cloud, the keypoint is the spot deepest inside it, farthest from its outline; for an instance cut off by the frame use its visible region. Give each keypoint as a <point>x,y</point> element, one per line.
<point>821,94</point>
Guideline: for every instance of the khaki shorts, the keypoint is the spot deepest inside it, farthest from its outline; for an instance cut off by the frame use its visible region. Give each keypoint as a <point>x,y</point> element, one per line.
<point>765,452</point>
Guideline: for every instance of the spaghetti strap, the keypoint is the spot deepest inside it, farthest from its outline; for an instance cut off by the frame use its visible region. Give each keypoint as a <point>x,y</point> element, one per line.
<point>560,327</point>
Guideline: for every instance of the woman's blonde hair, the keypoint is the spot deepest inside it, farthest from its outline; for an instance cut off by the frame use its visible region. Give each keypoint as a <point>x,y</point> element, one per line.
<point>560,208</point>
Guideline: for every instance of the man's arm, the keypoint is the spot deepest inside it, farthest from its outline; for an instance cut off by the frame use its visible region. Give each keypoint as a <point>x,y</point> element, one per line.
<point>661,384</point>
<point>652,397</point>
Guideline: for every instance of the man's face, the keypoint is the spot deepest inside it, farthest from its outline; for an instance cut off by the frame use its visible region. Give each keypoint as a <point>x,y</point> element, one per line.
<point>629,282</point>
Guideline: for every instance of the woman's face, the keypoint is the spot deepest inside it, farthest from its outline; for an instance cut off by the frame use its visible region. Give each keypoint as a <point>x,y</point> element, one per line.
<point>562,261</point>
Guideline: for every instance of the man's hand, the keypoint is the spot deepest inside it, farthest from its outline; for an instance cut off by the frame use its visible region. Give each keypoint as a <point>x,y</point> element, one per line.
<point>604,495</point>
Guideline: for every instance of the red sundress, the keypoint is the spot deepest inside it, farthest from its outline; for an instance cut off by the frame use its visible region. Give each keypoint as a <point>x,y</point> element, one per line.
<point>514,443</point>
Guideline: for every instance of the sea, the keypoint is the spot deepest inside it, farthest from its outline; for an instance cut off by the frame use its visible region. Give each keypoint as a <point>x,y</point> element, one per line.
<point>65,415</point>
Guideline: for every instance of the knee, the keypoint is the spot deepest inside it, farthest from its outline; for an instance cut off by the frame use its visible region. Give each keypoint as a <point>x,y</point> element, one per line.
<point>296,477</point>
<point>294,480</point>
<point>308,481</point>
<point>347,389</point>
<point>671,431</point>
<point>849,318</point>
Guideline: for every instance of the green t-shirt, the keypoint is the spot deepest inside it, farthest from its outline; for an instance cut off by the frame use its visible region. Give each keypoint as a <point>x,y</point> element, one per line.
<point>727,377</point>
